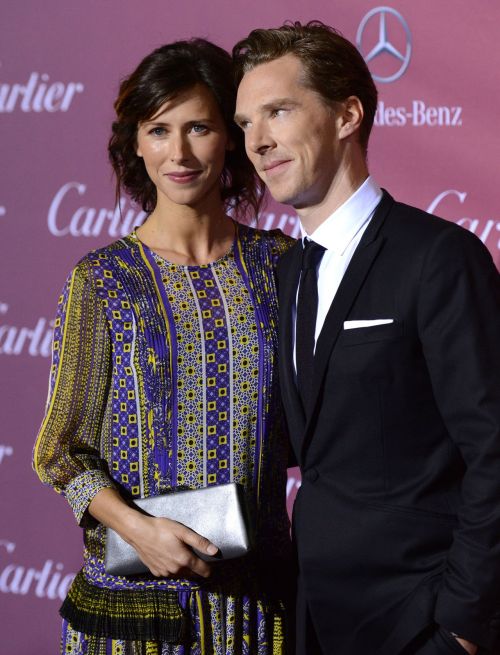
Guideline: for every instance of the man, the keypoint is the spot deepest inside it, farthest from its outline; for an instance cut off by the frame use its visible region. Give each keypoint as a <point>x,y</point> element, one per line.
<point>389,361</point>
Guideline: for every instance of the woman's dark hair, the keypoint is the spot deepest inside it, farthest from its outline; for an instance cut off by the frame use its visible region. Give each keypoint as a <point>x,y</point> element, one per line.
<point>333,67</point>
<point>161,76</point>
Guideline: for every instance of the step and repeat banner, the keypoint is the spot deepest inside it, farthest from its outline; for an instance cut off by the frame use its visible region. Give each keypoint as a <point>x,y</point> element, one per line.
<point>436,145</point>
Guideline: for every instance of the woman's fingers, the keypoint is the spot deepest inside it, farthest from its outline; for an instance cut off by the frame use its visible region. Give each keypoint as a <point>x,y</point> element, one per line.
<point>195,540</point>
<point>189,540</point>
<point>166,547</point>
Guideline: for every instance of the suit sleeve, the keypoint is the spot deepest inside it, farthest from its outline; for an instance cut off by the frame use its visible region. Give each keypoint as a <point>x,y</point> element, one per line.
<point>459,324</point>
<point>67,450</point>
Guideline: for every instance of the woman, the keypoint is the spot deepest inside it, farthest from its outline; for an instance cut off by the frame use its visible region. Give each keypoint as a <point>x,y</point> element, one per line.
<point>164,375</point>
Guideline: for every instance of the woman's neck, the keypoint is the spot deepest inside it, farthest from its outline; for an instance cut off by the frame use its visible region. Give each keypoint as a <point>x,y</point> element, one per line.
<point>187,236</point>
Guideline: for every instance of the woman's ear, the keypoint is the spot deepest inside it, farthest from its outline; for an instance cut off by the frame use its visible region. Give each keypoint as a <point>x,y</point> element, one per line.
<point>138,151</point>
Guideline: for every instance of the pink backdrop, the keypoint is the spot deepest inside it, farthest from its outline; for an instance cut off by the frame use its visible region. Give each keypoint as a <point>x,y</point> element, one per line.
<point>435,145</point>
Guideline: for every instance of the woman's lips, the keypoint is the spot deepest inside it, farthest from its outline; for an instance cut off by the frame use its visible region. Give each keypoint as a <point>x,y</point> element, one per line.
<point>183,177</point>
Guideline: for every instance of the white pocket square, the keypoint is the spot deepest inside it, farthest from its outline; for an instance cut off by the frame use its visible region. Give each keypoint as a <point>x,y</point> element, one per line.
<point>351,325</point>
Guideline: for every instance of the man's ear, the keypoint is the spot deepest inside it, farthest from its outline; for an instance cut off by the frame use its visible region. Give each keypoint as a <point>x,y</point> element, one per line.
<point>349,116</point>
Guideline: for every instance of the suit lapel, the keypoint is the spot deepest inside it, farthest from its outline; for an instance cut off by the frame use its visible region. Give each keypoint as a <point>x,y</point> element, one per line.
<point>289,273</point>
<point>353,279</point>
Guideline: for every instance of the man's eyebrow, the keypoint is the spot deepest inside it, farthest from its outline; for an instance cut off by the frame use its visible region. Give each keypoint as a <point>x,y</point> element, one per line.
<point>269,106</point>
<point>238,118</point>
<point>279,102</point>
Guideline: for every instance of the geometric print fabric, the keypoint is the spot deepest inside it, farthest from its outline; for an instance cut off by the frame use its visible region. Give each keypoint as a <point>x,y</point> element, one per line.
<point>217,383</point>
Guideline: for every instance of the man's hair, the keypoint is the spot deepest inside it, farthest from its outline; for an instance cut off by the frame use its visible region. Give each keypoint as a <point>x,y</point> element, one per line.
<point>333,66</point>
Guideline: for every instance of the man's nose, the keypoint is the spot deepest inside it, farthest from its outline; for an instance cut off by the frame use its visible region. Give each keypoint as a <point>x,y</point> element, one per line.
<point>258,139</point>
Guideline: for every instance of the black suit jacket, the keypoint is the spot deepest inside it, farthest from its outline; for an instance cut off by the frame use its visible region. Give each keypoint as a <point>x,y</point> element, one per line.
<point>397,522</point>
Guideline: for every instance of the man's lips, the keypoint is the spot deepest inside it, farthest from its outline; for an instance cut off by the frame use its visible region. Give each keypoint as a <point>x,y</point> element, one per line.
<point>183,177</point>
<point>276,166</point>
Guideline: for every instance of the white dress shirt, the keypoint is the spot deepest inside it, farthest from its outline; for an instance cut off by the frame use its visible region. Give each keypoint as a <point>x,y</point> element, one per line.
<point>340,234</point>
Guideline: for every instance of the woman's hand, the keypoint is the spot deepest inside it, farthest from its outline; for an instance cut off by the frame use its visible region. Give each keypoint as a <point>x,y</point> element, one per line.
<point>164,546</point>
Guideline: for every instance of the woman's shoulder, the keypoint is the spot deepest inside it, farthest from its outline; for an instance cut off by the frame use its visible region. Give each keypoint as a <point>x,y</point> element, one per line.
<point>271,240</point>
<point>97,258</point>
<point>97,271</point>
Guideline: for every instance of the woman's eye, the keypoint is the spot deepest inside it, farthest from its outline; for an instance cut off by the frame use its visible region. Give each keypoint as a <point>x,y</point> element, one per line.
<point>157,131</point>
<point>199,128</point>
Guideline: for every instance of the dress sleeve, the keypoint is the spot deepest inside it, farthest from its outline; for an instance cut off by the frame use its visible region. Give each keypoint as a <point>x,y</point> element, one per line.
<point>67,454</point>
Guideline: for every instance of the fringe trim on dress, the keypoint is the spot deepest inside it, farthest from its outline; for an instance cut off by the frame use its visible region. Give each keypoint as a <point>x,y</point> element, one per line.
<point>147,615</point>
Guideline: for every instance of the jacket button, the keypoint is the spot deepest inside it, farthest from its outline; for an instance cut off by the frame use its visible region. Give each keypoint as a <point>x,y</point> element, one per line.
<point>311,475</point>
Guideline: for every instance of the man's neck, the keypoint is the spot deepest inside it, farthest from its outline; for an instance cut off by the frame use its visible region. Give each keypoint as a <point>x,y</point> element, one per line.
<point>346,182</point>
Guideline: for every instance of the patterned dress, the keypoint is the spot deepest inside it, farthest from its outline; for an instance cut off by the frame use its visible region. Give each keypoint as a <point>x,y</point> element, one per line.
<point>164,376</point>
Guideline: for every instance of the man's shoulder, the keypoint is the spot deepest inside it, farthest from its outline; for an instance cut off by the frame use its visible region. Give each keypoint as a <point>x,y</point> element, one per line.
<point>402,214</point>
<point>415,222</point>
<point>413,229</point>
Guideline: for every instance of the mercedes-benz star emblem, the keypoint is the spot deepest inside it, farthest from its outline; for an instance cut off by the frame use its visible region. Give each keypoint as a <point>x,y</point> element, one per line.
<point>383,54</point>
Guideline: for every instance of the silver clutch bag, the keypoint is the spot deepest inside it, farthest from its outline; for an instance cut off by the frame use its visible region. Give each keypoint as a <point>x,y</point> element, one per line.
<point>218,513</point>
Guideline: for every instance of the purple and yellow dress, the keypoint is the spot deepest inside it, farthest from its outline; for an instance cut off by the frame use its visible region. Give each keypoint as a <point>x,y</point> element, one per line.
<point>164,376</point>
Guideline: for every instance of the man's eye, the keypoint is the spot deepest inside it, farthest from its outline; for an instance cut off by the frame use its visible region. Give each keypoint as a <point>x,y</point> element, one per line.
<point>277,112</point>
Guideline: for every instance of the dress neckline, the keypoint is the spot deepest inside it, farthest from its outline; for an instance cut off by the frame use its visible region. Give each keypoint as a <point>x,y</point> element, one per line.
<point>163,261</point>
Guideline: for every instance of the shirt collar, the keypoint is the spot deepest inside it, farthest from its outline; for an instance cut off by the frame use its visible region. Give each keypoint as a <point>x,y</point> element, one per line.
<point>340,228</point>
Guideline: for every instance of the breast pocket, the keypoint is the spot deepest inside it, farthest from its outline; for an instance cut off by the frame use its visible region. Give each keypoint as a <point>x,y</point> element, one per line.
<point>372,333</point>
